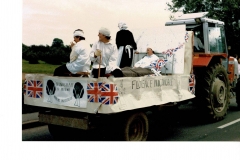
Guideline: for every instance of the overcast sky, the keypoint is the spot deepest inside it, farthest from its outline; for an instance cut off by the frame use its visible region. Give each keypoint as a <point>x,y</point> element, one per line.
<point>44,20</point>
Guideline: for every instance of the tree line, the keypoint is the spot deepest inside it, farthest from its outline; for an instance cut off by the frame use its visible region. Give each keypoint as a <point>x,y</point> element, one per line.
<point>57,53</point>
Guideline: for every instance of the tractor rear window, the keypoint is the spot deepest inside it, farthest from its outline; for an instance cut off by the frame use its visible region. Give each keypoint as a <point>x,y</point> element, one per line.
<point>217,39</point>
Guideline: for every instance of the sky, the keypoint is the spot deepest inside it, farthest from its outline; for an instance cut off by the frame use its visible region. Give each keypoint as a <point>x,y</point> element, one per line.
<point>44,20</point>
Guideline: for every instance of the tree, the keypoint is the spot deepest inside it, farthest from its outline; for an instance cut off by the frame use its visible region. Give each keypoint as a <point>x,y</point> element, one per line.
<point>57,52</point>
<point>57,43</point>
<point>30,53</point>
<point>32,57</point>
<point>42,51</point>
<point>67,51</point>
<point>54,55</point>
<point>227,11</point>
<point>25,50</point>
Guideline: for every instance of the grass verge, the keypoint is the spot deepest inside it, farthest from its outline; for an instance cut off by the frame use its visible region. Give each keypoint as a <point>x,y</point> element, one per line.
<point>42,67</point>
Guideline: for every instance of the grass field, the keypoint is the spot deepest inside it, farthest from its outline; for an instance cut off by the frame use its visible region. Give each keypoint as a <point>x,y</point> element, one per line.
<point>42,67</point>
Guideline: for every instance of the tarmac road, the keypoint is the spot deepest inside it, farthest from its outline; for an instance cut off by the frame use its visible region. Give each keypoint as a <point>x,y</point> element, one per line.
<point>187,126</point>
<point>183,124</point>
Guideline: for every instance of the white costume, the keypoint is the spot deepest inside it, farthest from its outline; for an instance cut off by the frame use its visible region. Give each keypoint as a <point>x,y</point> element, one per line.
<point>146,61</point>
<point>238,69</point>
<point>197,43</point>
<point>79,58</point>
<point>109,54</point>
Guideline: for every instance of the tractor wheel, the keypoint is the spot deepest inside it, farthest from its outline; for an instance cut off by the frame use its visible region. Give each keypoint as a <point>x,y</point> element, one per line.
<point>212,91</point>
<point>238,93</point>
<point>136,127</point>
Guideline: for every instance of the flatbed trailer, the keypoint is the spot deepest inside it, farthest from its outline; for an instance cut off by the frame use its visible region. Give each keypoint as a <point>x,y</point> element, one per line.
<point>86,103</point>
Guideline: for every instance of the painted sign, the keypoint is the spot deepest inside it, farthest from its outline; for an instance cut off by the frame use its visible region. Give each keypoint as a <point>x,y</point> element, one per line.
<point>65,92</point>
<point>75,93</point>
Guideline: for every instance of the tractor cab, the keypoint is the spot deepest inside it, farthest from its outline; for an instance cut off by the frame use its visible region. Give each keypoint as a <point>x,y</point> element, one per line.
<point>210,45</point>
<point>209,38</point>
<point>207,31</point>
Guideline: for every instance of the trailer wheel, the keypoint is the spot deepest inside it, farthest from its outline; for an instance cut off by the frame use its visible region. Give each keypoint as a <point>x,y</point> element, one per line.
<point>56,131</point>
<point>136,127</point>
<point>212,91</point>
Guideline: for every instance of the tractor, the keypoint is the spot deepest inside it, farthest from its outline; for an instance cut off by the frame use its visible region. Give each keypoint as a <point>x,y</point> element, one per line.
<point>216,72</point>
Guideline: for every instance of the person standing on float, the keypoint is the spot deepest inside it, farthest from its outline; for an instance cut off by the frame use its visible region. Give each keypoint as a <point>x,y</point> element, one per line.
<point>126,46</point>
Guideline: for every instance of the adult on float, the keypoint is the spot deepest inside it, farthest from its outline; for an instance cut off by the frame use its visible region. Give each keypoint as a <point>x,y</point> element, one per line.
<point>126,46</point>
<point>79,57</point>
<point>146,60</point>
<point>198,45</point>
<point>104,56</point>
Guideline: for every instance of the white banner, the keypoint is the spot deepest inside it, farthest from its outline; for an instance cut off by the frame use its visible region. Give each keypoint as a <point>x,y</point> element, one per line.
<point>65,92</point>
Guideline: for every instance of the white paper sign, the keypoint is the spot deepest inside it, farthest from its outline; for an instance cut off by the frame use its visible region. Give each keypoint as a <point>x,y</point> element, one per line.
<point>65,92</point>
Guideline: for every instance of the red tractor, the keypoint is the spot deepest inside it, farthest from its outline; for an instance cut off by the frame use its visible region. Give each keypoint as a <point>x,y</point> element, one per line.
<point>216,72</point>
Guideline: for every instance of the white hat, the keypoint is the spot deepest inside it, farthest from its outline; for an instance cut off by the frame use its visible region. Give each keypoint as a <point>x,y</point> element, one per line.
<point>149,46</point>
<point>122,25</point>
<point>104,31</point>
<point>78,33</point>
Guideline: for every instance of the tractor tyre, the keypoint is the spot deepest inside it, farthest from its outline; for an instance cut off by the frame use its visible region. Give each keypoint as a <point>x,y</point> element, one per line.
<point>212,91</point>
<point>238,93</point>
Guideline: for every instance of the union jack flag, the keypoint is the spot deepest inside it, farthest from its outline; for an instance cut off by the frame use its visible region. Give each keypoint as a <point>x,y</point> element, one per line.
<point>192,83</point>
<point>179,47</point>
<point>158,64</point>
<point>94,92</point>
<point>109,94</point>
<point>168,52</point>
<point>33,88</point>
<point>25,87</point>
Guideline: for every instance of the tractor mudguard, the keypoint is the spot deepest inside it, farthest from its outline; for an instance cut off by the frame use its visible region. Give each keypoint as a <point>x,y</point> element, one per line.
<point>203,59</point>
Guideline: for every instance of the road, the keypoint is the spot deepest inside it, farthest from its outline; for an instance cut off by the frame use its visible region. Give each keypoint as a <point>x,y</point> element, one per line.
<point>184,124</point>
